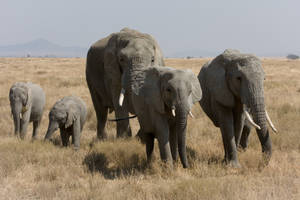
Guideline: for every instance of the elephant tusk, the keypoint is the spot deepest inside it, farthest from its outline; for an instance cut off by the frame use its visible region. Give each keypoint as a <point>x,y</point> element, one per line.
<point>191,114</point>
<point>21,116</point>
<point>173,112</point>
<point>121,98</point>
<point>270,122</point>
<point>251,120</point>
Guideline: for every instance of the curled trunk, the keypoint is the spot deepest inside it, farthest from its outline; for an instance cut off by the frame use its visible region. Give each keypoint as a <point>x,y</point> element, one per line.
<point>53,126</point>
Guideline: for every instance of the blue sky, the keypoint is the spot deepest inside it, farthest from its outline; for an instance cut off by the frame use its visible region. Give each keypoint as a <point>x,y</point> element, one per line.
<point>263,27</point>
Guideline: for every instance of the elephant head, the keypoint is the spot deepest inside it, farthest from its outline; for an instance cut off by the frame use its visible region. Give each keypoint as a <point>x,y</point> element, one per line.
<point>238,79</point>
<point>60,116</point>
<point>20,101</point>
<point>166,91</point>
<point>127,50</point>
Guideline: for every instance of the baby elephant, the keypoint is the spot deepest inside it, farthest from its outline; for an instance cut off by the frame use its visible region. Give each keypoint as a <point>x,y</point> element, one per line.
<point>27,101</point>
<point>69,115</point>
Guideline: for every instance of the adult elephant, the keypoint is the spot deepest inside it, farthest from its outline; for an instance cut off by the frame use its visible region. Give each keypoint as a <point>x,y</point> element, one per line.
<point>162,97</point>
<point>232,85</point>
<point>107,60</point>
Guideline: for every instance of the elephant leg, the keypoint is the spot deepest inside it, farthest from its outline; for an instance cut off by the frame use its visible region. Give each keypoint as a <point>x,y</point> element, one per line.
<point>36,125</point>
<point>245,136</point>
<point>173,142</point>
<point>162,135</point>
<point>76,134</point>
<point>149,140</point>
<point>239,119</point>
<point>225,117</point>
<point>123,127</point>
<point>101,113</point>
<point>64,137</point>
<point>23,127</point>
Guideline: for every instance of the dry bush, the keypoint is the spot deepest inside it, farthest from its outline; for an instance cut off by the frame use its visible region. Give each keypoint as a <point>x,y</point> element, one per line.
<point>117,168</point>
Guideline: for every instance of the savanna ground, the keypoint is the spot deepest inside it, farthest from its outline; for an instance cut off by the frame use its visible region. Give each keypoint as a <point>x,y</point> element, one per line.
<point>116,168</point>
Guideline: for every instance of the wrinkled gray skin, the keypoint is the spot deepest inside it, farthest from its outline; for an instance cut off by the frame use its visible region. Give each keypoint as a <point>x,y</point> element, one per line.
<point>230,83</point>
<point>69,115</point>
<point>27,101</point>
<point>107,60</point>
<point>153,92</point>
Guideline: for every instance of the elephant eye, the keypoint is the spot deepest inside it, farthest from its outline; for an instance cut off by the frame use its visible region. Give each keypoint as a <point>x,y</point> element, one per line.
<point>168,90</point>
<point>239,78</point>
<point>152,59</point>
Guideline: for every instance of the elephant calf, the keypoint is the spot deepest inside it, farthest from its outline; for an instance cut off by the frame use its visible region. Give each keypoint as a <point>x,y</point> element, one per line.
<point>27,101</point>
<point>162,98</point>
<point>69,115</point>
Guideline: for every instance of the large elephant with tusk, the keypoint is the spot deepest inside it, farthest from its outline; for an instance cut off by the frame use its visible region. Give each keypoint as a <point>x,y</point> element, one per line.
<point>162,98</point>
<point>107,60</point>
<point>27,101</point>
<point>232,86</point>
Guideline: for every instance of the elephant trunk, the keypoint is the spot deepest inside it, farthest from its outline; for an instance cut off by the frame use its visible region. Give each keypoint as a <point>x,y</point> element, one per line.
<point>182,111</point>
<point>258,112</point>
<point>16,112</point>
<point>53,126</point>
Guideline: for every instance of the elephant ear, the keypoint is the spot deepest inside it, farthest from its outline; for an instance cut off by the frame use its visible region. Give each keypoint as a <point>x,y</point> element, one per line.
<point>27,98</point>
<point>71,116</point>
<point>111,64</point>
<point>150,90</point>
<point>216,72</point>
<point>196,88</point>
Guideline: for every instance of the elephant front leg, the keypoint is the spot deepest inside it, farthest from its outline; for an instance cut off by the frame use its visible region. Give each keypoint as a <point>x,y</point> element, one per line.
<point>162,135</point>
<point>245,136</point>
<point>64,137</point>
<point>36,125</point>
<point>173,142</point>
<point>239,119</point>
<point>225,117</point>
<point>123,127</point>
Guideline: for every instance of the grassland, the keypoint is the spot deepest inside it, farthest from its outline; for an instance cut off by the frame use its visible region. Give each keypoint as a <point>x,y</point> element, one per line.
<point>116,168</point>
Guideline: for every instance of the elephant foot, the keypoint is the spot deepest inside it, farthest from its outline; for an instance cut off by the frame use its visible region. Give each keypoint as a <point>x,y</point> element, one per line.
<point>234,164</point>
<point>102,136</point>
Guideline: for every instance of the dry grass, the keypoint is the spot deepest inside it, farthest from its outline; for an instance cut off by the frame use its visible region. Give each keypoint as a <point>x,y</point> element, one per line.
<point>116,168</point>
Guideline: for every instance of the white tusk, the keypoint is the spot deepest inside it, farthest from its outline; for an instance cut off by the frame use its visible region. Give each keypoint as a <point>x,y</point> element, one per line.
<point>191,114</point>
<point>251,120</point>
<point>173,112</point>
<point>121,98</point>
<point>21,116</point>
<point>270,122</point>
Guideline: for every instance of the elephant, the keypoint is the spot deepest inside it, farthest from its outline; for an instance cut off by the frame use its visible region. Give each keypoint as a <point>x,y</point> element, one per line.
<point>69,115</point>
<point>232,86</point>
<point>107,60</point>
<point>161,98</point>
<point>27,101</point>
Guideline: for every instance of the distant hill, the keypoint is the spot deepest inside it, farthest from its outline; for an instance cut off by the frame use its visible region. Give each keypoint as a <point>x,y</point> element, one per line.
<point>41,48</point>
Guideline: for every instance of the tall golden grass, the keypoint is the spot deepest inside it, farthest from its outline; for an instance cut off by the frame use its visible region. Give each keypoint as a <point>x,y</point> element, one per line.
<point>117,169</point>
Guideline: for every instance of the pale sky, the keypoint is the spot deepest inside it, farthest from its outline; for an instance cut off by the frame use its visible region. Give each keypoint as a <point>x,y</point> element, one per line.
<point>263,27</point>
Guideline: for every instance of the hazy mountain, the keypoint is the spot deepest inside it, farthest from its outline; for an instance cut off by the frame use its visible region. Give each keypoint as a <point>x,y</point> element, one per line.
<point>41,47</point>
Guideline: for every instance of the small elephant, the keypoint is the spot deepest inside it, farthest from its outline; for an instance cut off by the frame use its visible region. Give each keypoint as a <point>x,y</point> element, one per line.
<point>69,115</point>
<point>232,86</point>
<point>27,101</point>
<point>162,98</point>
<point>107,60</point>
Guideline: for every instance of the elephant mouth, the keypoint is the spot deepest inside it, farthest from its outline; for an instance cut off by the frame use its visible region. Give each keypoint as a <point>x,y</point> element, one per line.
<point>251,121</point>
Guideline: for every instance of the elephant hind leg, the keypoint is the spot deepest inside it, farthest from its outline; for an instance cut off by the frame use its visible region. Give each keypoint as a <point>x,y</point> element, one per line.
<point>36,125</point>
<point>101,112</point>
<point>149,140</point>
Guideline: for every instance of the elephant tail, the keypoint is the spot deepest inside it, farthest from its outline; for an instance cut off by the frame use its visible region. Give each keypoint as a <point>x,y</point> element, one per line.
<point>120,119</point>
